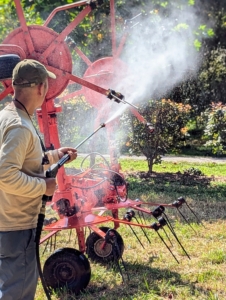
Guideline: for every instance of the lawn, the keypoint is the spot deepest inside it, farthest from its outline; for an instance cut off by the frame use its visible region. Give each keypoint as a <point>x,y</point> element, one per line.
<point>154,272</point>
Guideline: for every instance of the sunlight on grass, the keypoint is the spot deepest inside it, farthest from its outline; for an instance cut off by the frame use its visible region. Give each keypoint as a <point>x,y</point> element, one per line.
<point>208,169</point>
<point>215,257</point>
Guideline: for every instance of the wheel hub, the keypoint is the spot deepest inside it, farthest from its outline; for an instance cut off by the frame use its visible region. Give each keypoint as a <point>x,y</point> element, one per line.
<point>102,248</point>
<point>63,272</point>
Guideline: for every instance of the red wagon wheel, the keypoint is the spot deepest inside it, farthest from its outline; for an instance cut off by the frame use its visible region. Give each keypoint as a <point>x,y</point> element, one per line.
<point>48,47</point>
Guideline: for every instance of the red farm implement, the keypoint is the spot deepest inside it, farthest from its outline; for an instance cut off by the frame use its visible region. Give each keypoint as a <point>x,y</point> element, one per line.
<point>82,198</point>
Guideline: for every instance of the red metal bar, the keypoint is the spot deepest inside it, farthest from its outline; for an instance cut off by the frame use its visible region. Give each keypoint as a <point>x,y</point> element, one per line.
<point>77,222</point>
<point>121,45</point>
<point>81,239</point>
<point>98,231</point>
<point>51,136</point>
<point>134,204</point>
<point>113,35</point>
<point>79,80</point>
<point>63,7</point>
<point>138,115</point>
<point>66,31</point>
<point>88,84</point>
<point>48,236</point>
<point>83,56</point>
<point>45,121</point>
<point>24,27</point>
<point>6,92</point>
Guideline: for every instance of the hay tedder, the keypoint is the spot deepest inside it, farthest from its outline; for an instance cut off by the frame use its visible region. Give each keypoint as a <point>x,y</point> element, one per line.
<point>93,196</point>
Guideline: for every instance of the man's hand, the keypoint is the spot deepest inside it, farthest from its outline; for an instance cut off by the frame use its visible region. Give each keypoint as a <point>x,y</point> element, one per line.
<point>67,150</point>
<point>50,186</point>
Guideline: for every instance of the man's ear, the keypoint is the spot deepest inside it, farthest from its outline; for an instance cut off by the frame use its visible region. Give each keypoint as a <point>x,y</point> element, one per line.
<point>40,89</point>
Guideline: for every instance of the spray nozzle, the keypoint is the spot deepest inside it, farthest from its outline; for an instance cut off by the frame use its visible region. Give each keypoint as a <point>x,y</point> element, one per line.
<point>118,97</point>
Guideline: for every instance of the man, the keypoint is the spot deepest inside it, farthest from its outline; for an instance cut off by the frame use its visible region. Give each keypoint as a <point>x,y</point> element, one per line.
<point>22,180</point>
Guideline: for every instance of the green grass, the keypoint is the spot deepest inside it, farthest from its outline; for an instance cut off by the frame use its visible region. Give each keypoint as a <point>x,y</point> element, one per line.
<point>154,274</point>
<point>129,164</point>
<point>209,169</point>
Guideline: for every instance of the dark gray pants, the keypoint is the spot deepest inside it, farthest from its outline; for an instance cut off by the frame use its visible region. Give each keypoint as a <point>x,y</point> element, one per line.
<point>18,269</point>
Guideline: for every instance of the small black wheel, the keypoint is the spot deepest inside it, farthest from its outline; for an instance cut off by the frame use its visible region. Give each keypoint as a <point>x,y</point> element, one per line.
<point>7,64</point>
<point>100,251</point>
<point>67,268</point>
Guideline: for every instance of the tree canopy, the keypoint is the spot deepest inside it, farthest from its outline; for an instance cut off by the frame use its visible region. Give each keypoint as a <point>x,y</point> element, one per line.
<point>199,25</point>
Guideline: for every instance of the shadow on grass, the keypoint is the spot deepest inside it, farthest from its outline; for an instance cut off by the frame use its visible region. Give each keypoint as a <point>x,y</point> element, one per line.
<point>144,280</point>
<point>174,185</point>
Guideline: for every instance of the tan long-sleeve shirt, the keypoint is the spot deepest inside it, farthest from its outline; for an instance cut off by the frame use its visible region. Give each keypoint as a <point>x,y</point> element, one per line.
<point>20,166</point>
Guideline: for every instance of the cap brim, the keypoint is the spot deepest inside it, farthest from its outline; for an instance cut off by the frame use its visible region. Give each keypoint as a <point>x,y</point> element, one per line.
<point>51,75</point>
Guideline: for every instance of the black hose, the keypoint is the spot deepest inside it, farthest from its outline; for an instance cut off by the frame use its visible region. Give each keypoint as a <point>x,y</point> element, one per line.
<point>40,222</point>
<point>94,153</point>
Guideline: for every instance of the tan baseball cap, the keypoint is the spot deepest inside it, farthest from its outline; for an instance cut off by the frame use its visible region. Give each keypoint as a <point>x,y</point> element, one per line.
<point>30,72</point>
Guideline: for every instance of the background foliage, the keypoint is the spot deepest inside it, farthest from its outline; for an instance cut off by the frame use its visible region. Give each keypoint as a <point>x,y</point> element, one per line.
<point>198,130</point>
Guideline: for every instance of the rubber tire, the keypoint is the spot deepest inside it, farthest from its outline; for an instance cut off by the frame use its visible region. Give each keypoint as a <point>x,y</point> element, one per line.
<point>7,64</point>
<point>92,240</point>
<point>67,269</point>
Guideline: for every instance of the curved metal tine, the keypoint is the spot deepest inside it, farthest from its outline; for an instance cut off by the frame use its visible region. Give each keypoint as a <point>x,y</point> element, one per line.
<point>55,236</point>
<point>120,269</point>
<point>143,231</point>
<point>168,223</point>
<point>170,227</point>
<point>124,266</point>
<point>51,244</point>
<point>186,220</point>
<point>116,248</point>
<point>173,232</point>
<point>167,236</point>
<point>168,247</point>
<point>70,235</point>
<point>122,261</point>
<point>45,247</point>
<point>136,236</point>
<point>199,221</point>
<point>117,263</point>
<point>141,216</point>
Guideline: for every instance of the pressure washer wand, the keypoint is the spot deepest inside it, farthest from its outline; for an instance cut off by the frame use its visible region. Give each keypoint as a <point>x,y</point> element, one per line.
<point>52,171</point>
<point>82,142</point>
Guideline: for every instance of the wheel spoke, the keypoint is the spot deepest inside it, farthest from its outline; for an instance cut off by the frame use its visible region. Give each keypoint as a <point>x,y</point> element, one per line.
<point>26,33</point>
<point>66,31</point>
